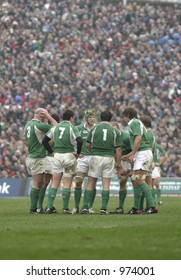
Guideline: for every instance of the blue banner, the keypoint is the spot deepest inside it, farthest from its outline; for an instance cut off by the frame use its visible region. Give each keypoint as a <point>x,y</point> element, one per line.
<point>21,187</point>
<point>12,187</point>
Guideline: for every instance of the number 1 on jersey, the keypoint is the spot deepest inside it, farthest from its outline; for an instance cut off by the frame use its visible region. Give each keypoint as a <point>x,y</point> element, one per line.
<point>104,134</point>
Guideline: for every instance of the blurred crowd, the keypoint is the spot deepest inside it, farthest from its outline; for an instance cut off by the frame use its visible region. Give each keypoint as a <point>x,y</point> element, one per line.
<point>82,54</point>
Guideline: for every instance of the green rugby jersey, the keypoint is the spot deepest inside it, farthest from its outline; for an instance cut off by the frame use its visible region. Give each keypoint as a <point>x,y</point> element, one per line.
<point>64,137</point>
<point>104,138</point>
<point>84,133</point>
<point>158,151</point>
<point>126,144</point>
<point>136,127</point>
<point>34,133</point>
<point>151,137</point>
<point>50,135</point>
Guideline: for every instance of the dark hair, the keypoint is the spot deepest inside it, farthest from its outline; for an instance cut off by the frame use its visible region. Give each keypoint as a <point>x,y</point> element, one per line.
<point>146,120</point>
<point>130,113</point>
<point>106,116</point>
<point>67,115</point>
<point>56,117</point>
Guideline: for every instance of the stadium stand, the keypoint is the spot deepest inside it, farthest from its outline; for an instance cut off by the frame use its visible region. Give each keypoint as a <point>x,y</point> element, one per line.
<point>82,54</point>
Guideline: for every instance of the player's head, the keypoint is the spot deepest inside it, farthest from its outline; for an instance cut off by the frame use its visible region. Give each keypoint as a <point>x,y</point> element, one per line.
<point>56,117</point>
<point>67,115</point>
<point>146,120</point>
<point>39,115</point>
<point>89,114</point>
<point>129,113</point>
<point>106,116</point>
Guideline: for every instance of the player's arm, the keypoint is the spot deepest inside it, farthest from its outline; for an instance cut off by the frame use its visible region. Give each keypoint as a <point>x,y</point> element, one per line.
<point>79,144</point>
<point>162,160</point>
<point>50,119</point>
<point>46,144</point>
<point>137,143</point>
<point>117,155</point>
<point>88,145</point>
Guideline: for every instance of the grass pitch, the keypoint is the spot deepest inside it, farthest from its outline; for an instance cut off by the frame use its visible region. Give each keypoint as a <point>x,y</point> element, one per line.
<point>25,236</point>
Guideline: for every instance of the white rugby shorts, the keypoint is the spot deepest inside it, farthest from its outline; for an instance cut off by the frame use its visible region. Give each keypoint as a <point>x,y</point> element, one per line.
<point>156,172</point>
<point>66,163</point>
<point>83,164</point>
<point>38,166</point>
<point>143,160</point>
<point>126,165</point>
<point>100,166</point>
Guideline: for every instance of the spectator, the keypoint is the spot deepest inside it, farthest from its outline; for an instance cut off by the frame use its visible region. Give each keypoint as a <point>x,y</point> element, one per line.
<point>59,56</point>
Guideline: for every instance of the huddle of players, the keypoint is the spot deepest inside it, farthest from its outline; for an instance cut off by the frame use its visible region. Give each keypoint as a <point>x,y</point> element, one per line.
<point>102,151</point>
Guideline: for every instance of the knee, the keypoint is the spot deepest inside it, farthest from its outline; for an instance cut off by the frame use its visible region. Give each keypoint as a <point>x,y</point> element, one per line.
<point>138,179</point>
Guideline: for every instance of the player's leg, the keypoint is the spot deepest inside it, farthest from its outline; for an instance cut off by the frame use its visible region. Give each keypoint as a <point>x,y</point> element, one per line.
<point>158,190</point>
<point>47,179</point>
<point>122,194</point>
<point>156,184</point>
<point>69,163</point>
<point>78,191</point>
<point>148,180</point>
<point>94,172</point>
<point>88,194</point>
<point>108,170</point>
<point>34,168</point>
<point>140,186</point>
<point>52,192</point>
<point>48,167</point>
<point>123,186</point>
<point>91,202</point>
<point>82,171</point>
<point>142,163</point>
<point>105,194</point>
<point>66,191</point>
<point>37,182</point>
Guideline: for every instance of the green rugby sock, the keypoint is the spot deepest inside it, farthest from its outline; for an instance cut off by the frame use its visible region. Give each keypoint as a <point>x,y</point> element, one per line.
<point>88,194</point>
<point>153,195</point>
<point>51,197</point>
<point>147,193</point>
<point>65,197</point>
<point>92,198</point>
<point>158,194</point>
<point>77,196</point>
<point>105,199</point>
<point>137,196</point>
<point>122,196</point>
<point>41,197</point>
<point>142,202</point>
<point>34,193</point>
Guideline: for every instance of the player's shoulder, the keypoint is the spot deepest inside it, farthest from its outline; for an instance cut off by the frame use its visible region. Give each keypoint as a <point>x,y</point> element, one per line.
<point>80,126</point>
<point>125,133</point>
<point>64,124</point>
<point>33,123</point>
<point>116,130</point>
<point>43,125</point>
<point>150,131</point>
